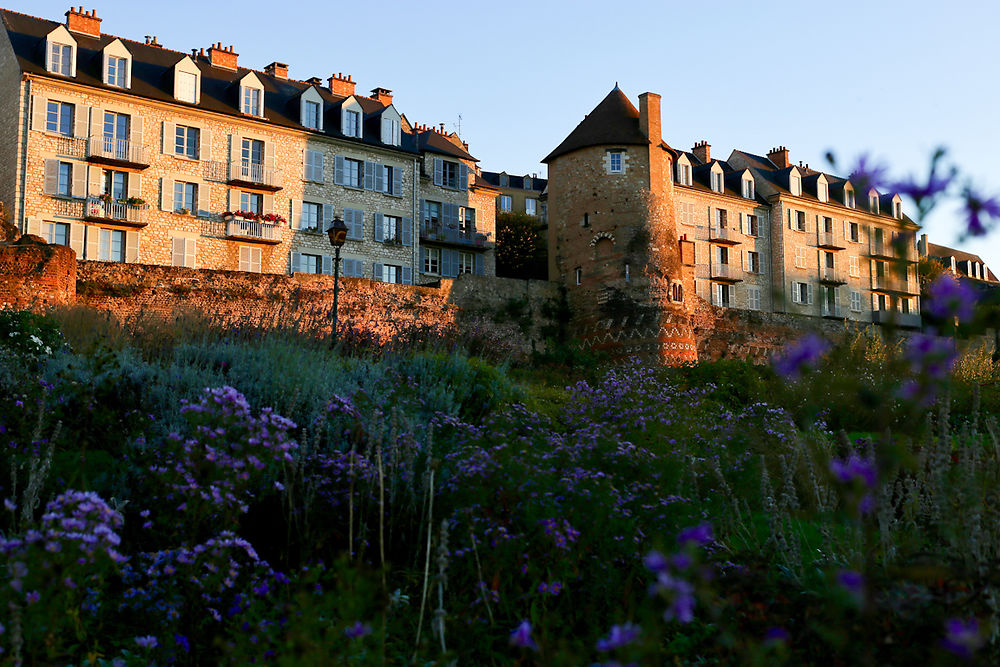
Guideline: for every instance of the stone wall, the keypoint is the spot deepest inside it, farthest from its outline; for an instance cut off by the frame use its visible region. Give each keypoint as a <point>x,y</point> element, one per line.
<point>36,275</point>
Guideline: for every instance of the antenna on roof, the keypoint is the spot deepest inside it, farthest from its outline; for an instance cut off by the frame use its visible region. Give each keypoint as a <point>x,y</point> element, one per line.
<point>459,126</point>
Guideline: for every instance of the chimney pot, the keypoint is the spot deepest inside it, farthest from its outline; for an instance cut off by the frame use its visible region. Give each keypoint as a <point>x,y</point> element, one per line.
<point>703,151</point>
<point>277,70</point>
<point>779,156</point>
<point>81,21</point>
<point>222,57</point>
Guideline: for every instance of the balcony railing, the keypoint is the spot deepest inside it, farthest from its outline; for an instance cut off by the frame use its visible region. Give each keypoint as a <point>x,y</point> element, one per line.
<point>829,240</point>
<point>832,276</point>
<point>71,146</point>
<point>253,230</point>
<point>896,317</point>
<point>120,212</point>
<point>444,234</point>
<point>881,249</point>
<point>725,272</point>
<point>108,150</point>
<point>68,208</point>
<point>889,283</point>
<point>255,175</point>
<point>831,310</point>
<point>723,235</point>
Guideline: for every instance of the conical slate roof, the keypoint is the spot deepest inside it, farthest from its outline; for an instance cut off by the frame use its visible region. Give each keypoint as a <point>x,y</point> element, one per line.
<point>612,122</point>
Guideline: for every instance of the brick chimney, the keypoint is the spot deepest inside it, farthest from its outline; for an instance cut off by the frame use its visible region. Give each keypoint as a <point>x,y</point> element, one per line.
<point>221,56</point>
<point>277,70</point>
<point>341,85</point>
<point>314,81</point>
<point>649,117</point>
<point>703,151</point>
<point>383,95</point>
<point>779,156</point>
<point>87,23</point>
<point>151,41</point>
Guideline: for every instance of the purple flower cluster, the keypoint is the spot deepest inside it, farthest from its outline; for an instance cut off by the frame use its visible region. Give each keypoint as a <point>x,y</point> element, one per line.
<point>620,635</point>
<point>670,582</point>
<point>982,212</point>
<point>963,636</point>
<point>852,583</point>
<point>949,297</point>
<point>931,359</point>
<point>521,636</point>
<point>800,356</point>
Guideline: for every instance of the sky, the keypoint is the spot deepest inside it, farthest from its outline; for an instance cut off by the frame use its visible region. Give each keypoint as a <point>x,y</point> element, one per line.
<point>894,80</point>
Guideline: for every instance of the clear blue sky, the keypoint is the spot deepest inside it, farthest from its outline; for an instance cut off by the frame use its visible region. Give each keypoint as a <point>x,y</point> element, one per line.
<point>894,79</point>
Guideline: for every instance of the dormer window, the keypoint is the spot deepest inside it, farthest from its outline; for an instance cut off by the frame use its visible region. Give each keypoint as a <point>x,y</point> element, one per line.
<point>392,134</point>
<point>748,189</point>
<point>527,182</point>
<point>873,203</point>
<point>311,113</point>
<point>849,198</point>
<point>717,181</point>
<point>117,65</point>
<point>822,193</point>
<point>684,173</point>
<point>60,52</point>
<point>187,81</point>
<point>795,185</point>
<point>897,210</point>
<point>350,118</point>
<point>251,100</point>
<point>504,180</point>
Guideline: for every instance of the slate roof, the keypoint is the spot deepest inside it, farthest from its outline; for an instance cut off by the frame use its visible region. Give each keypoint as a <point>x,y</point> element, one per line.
<point>517,182</point>
<point>152,78</point>
<point>615,121</point>
<point>941,252</point>
<point>435,142</point>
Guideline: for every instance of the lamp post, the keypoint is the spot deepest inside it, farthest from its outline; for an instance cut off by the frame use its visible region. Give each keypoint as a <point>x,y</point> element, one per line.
<point>338,235</point>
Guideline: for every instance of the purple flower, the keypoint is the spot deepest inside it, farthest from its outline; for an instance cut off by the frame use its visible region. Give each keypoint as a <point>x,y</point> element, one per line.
<point>148,641</point>
<point>700,535</point>
<point>934,186</point>
<point>962,636</point>
<point>521,636</point>
<point>183,642</point>
<point>776,635</point>
<point>855,468</point>
<point>32,597</point>
<point>931,355</point>
<point>853,583</point>
<point>655,561</point>
<point>949,297</point>
<point>981,211</point>
<point>620,635</point>
<point>869,174</point>
<point>359,629</point>
<point>800,355</point>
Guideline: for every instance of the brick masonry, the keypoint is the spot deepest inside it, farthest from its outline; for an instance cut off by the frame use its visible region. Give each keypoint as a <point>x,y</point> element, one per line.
<point>36,274</point>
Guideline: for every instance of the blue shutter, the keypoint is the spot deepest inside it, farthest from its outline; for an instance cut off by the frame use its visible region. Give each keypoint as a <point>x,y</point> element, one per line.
<point>379,232</point>
<point>407,234</point>
<point>407,275</point>
<point>369,175</point>
<point>380,178</point>
<point>338,170</point>
<point>327,217</point>
<point>438,171</point>
<point>449,263</point>
<point>423,211</point>
<point>397,181</point>
<point>328,265</point>
<point>423,258</point>
<point>377,272</point>
<point>293,266</point>
<point>479,264</point>
<point>463,177</point>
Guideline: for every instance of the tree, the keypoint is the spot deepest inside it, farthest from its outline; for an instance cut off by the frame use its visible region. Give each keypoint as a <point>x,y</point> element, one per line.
<point>521,250</point>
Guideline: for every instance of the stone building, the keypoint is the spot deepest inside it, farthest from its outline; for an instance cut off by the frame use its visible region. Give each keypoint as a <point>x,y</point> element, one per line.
<point>519,194</point>
<point>131,152</point>
<point>644,235</point>
<point>959,263</point>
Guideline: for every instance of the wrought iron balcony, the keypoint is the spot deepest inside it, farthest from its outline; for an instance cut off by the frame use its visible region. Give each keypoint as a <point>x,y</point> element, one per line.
<point>829,241</point>
<point>437,232</point>
<point>254,175</point>
<point>117,152</point>
<point>896,317</point>
<point>725,272</point>
<point>120,212</point>
<point>724,235</point>
<point>894,284</point>
<point>829,276</point>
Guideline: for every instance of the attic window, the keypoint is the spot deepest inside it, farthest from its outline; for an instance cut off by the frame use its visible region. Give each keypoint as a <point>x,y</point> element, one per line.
<point>60,53</point>
<point>311,114</point>
<point>748,190</point>
<point>116,72</point>
<point>849,198</point>
<point>252,100</point>
<point>821,191</point>
<point>717,181</point>
<point>391,133</point>
<point>897,210</point>
<point>795,185</point>
<point>683,173</point>
<point>873,203</point>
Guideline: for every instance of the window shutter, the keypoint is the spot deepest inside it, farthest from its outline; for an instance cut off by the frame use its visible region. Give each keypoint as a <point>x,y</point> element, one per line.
<point>39,111</point>
<point>295,213</point>
<point>79,179</point>
<point>167,194</point>
<point>452,263</point>
<point>377,272</point>
<point>134,185</point>
<point>94,181</point>
<point>407,231</point>
<point>51,176</point>
<point>379,178</point>
<point>307,164</point>
<point>35,227</point>
<point>81,120</point>
<point>93,243</point>
<point>177,251</point>
<point>295,266</point>
<point>204,200</point>
<point>168,144</point>
<point>204,144</point>
<point>407,275</point>
<point>479,265</point>
<point>423,258</point>
<point>338,170</point>
<point>369,175</point>
<point>76,239</point>
<point>235,148</point>
<point>303,105</point>
<point>463,177</point>
<point>794,291</point>
<point>135,135</point>
<point>327,265</point>
<point>423,211</point>
<point>132,247</point>
<point>268,204</point>
<point>327,217</point>
<point>379,236</point>
<point>319,166</point>
<point>190,245</point>
<point>397,181</point>
<point>791,225</point>
<point>268,155</point>
<point>438,171</point>
<point>244,258</point>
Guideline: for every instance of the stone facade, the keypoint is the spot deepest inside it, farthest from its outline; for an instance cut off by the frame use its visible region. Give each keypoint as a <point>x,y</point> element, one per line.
<point>519,194</point>
<point>36,275</point>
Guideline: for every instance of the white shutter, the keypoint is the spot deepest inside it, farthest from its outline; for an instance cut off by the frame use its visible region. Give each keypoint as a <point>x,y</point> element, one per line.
<point>296,264</point>
<point>79,180</point>
<point>51,177</point>
<point>204,200</point>
<point>809,293</point>
<point>244,258</point>
<point>268,204</point>
<point>134,185</point>
<point>190,245</point>
<point>235,148</point>
<point>790,223</point>
<point>327,265</point>
<point>306,165</point>
<point>76,238</point>
<point>295,214</point>
<point>168,143</point>
<point>327,217</point>
<point>81,120</point>
<point>35,227</point>
<point>131,247</point>
<point>39,110</point>
<point>204,144</point>
<point>177,251</point>
<point>94,181</point>
<point>135,137</point>
<point>93,243</point>
<point>167,194</point>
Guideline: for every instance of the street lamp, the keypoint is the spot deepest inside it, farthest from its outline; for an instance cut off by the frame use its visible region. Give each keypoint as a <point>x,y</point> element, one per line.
<point>338,236</point>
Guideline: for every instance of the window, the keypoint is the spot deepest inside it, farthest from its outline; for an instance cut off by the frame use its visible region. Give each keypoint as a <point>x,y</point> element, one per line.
<point>748,190</point>
<point>717,181</point>
<point>721,218</point>
<point>432,213</point>
<point>615,165</point>
<point>186,87</point>
<point>801,259</point>
<point>753,297</point>
<point>852,232</point>
<point>505,203</point>
<point>312,115</point>
<point>449,174</point>
<point>753,225</point>
<point>827,225</point>
<point>116,70</point>
<point>797,220</point>
<point>828,261</point>
<point>579,275</point>
<point>56,233</point>
<point>873,203</point>
<point>721,256</point>
<point>466,263</point>
<point>183,252</point>
<point>59,118</point>
<point>849,198</point>
<point>61,59</point>
<point>753,261</point>
<point>855,300</point>
<point>64,185</point>
<point>684,174</point>
<point>466,220</point>
<point>186,141</point>
<point>527,182</point>
<point>529,206</point>
<point>111,245</point>
<point>185,196</point>
<point>310,264</point>
<point>586,220</point>
<point>392,179</point>
<point>821,191</point>
<point>677,292</point>
<point>391,131</point>
<point>314,166</point>
<point>312,217</point>
<point>432,260</point>
<point>795,185</point>
<point>117,127</point>
<point>391,229</point>
<point>854,266</point>
<point>722,295</point>
<point>801,293</point>
<point>349,172</point>
<point>251,99</point>
<point>251,202</point>
<point>897,210</point>
<point>250,259</point>
<point>114,183</point>
<point>628,272</point>
<point>352,126</point>
<point>388,273</point>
